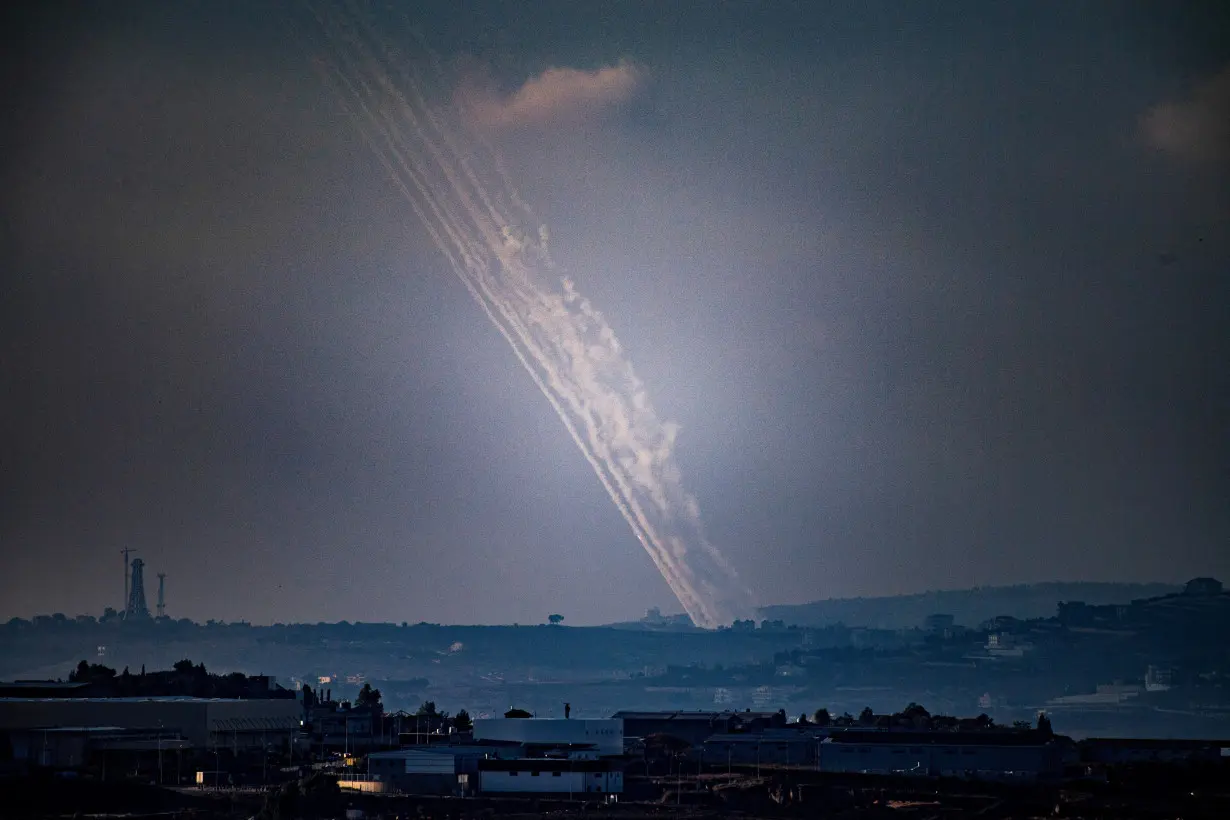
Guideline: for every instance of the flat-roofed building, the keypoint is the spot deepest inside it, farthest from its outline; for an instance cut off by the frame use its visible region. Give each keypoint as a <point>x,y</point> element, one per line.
<point>776,747</point>
<point>556,776</point>
<point>695,727</point>
<point>440,769</point>
<point>202,722</point>
<point>986,755</point>
<point>605,737</point>
<point>1112,750</point>
<point>73,747</point>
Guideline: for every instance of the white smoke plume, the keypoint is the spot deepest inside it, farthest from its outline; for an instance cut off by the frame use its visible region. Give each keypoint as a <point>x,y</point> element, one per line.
<point>456,185</point>
<point>556,95</point>
<point>1195,129</point>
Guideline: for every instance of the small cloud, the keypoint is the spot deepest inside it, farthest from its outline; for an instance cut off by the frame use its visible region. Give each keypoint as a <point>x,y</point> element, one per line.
<point>557,94</point>
<point>1196,129</point>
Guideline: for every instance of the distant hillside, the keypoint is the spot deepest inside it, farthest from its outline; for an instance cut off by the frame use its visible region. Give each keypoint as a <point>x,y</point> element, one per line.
<point>968,606</point>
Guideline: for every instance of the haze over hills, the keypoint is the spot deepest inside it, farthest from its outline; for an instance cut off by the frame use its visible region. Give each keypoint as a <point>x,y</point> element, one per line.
<point>1158,661</point>
<point>969,607</point>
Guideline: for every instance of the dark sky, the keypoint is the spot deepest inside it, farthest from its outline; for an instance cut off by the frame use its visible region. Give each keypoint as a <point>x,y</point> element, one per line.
<point>937,293</point>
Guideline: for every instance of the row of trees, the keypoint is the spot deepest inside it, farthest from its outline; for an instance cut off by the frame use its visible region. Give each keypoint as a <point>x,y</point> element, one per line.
<point>916,716</point>
<point>461,722</point>
<point>184,679</point>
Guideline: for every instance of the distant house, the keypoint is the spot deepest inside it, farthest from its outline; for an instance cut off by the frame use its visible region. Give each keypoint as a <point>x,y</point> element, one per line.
<point>1203,586</point>
<point>1006,645</point>
<point>1158,678</point>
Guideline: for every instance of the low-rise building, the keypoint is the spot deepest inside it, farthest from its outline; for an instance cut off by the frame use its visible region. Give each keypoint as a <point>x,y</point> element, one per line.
<point>432,770</point>
<point>772,747</point>
<point>1140,750</point>
<point>606,737</point>
<point>334,728</point>
<point>556,776</point>
<point>523,755</point>
<point>74,747</point>
<point>977,755</point>
<point>202,722</point>
<point>938,622</point>
<point>694,727</point>
<point>1203,586</point>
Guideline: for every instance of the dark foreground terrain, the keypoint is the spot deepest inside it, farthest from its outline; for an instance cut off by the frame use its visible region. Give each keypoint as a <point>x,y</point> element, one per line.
<point>1147,792</point>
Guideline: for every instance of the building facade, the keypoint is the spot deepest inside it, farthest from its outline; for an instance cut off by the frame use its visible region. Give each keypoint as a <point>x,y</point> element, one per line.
<point>696,727</point>
<point>550,776</point>
<point>202,722</point>
<point>444,770</point>
<point>768,748</point>
<point>974,755</point>
<point>606,737</point>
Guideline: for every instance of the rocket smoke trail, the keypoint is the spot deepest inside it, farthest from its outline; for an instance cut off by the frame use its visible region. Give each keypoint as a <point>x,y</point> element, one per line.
<point>488,237</point>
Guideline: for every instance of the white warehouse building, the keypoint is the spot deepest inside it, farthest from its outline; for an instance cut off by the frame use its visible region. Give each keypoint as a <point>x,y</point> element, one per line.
<point>524,756</point>
<point>605,736</point>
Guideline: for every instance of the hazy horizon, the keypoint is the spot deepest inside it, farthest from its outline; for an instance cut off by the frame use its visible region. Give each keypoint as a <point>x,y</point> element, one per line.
<point>666,611</point>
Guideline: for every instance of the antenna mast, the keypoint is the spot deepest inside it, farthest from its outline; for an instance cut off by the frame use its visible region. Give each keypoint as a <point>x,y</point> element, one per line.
<point>126,551</point>
<point>136,608</point>
<point>162,600</point>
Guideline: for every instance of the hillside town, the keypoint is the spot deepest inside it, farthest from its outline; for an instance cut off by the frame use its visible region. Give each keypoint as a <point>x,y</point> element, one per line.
<point>773,709</point>
<point>1147,667</point>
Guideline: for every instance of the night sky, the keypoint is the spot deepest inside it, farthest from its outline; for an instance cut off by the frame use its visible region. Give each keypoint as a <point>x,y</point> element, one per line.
<point>937,293</point>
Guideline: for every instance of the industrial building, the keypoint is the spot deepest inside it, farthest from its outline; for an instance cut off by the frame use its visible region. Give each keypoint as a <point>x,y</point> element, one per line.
<point>445,770</point>
<point>511,755</point>
<point>772,747</point>
<point>203,723</point>
<point>550,776</point>
<point>331,727</point>
<point>1151,750</point>
<point>606,737</point>
<point>72,747</point>
<point>696,727</point>
<point>984,755</point>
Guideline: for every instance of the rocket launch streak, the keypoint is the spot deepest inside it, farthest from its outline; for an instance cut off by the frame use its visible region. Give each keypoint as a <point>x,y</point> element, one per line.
<point>561,340</point>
